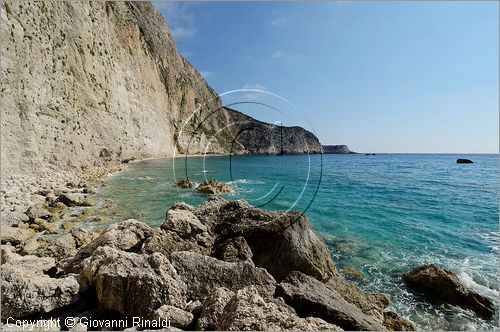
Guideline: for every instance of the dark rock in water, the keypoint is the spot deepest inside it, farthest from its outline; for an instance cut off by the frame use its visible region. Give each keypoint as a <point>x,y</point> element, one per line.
<point>336,149</point>
<point>394,322</point>
<point>310,297</point>
<point>214,187</point>
<point>443,285</point>
<point>185,184</point>
<point>370,154</point>
<point>464,161</point>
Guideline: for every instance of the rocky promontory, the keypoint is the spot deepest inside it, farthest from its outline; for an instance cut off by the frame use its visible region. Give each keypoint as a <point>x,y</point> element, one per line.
<point>336,149</point>
<point>222,265</point>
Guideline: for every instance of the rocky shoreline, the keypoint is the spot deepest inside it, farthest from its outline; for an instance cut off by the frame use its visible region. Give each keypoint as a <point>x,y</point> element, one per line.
<point>222,265</point>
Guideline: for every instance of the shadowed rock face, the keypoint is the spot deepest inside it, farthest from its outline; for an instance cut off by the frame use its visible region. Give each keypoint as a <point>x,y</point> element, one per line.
<point>443,285</point>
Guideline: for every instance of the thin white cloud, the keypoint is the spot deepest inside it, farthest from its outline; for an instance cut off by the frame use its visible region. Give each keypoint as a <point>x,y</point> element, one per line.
<point>279,21</point>
<point>207,74</point>
<point>254,87</point>
<point>290,57</point>
<point>277,54</point>
<point>180,19</point>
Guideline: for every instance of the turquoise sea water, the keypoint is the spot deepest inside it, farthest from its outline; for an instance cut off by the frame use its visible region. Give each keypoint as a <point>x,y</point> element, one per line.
<point>381,215</point>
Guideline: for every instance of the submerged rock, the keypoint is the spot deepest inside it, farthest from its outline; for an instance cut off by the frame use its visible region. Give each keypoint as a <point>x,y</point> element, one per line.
<point>212,186</point>
<point>394,322</point>
<point>443,285</point>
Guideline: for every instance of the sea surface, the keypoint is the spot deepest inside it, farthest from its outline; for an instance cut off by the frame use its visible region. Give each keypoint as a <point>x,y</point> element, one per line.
<point>381,215</point>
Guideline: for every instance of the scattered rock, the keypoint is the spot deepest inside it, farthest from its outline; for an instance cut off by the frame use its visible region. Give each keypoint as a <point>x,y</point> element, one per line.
<point>185,184</point>
<point>310,297</point>
<point>464,161</point>
<point>394,322</point>
<point>27,289</point>
<point>443,285</point>
<point>15,235</point>
<point>212,186</point>
<point>204,274</point>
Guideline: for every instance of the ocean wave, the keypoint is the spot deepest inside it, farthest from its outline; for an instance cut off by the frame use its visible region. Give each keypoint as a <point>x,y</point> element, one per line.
<point>469,282</point>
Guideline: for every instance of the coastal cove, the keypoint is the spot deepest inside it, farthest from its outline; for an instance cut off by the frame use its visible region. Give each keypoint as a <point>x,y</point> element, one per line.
<point>379,215</point>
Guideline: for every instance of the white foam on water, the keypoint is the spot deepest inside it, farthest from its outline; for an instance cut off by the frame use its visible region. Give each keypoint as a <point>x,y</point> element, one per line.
<point>468,282</point>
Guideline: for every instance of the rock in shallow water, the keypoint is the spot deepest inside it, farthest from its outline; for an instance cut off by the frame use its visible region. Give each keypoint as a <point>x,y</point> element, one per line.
<point>214,187</point>
<point>443,285</point>
<point>185,184</point>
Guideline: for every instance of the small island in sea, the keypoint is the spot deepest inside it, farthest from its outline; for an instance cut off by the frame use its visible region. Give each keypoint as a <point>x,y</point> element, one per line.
<point>136,197</point>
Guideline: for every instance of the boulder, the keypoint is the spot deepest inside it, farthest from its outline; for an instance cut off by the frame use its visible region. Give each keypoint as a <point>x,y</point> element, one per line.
<point>185,184</point>
<point>27,288</point>
<point>37,211</point>
<point>464,161</point>
<point>248,311</point>
<point>178,318</point>
<point>280,242</point>
<point>70,199</point>
<point>310,297</point>
<point>183,222</point>
<point>394,322</point>
<point>204,274</point>
<point>61,246</point>
<point>132,284</point>
<point>15,235</point>
<point>214,187</point>
<point>438,284</point>
<point>128,235</point>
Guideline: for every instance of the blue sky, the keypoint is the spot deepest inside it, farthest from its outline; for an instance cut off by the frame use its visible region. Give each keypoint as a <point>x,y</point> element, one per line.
<point>377,76</point>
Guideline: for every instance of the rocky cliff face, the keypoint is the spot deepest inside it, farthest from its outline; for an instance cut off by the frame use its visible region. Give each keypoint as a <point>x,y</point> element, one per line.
<point>89,83</point>
<point>92,83</point>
